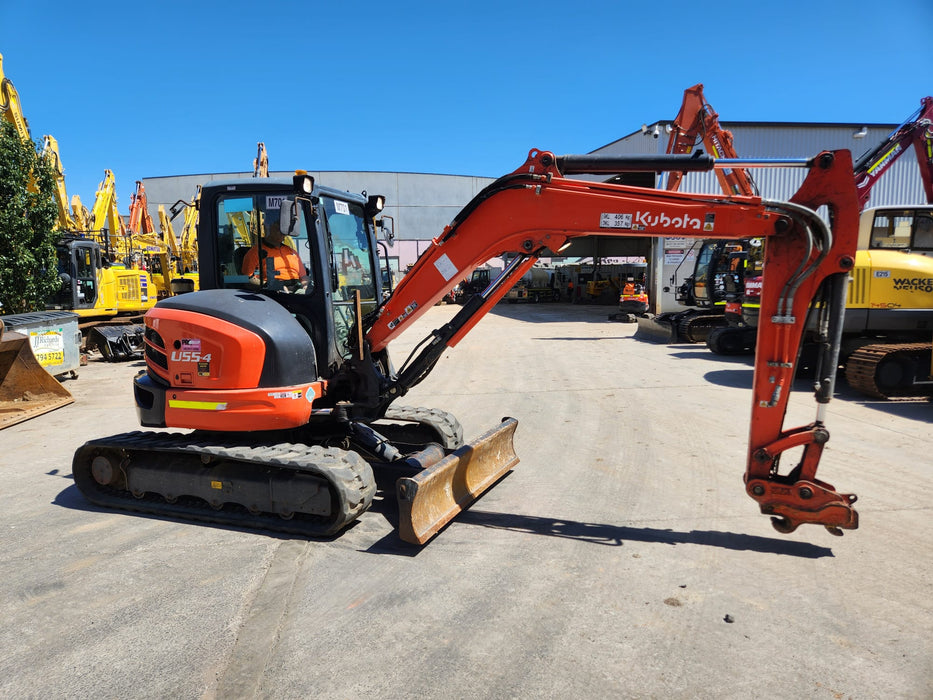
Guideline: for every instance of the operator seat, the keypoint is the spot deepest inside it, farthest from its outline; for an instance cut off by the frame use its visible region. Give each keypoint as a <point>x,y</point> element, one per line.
<point>238,256</point>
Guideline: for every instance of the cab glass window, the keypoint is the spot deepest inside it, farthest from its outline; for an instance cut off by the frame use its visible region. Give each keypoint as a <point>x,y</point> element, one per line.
<point>243,222</point>
<point>352,265</point>
<point>902,229</point>
<point>352,258</point>
<point>85,275</point>
<point>700,281</point>
<point>923,232</point>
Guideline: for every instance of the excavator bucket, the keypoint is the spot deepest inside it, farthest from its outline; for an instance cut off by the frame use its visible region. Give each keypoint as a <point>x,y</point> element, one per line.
<point>26,389</point>
<point>432,498</point>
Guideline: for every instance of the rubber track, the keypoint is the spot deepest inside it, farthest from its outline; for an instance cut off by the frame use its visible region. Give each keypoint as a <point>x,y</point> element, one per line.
<point>445,424</point>
<point>862,367</point>
<point>348,475</point>
<point>731,340</point>
<point>695,329</point>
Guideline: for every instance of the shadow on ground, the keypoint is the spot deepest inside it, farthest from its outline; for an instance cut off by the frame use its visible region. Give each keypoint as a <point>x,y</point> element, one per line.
<point>616,535</point>
<point>592,533</point>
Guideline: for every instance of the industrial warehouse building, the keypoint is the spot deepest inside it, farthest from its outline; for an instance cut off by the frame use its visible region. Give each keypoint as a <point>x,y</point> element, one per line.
<point>419,205</point>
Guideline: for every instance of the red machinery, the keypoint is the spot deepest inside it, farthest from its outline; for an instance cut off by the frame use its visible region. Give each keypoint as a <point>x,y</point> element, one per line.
<point>715,283</point>
<point>916,131</point>
<point>886,350</point>
<point>698,121</point>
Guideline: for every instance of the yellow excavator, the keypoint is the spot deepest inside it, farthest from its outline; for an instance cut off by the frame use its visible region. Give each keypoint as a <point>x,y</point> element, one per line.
<point>99,280</point>
<point>106,284</point>
<point>184,250</point>
<point>157,253</point>
<point>99,283</point>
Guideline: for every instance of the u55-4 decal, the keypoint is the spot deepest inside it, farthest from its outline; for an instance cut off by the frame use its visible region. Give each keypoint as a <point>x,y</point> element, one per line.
<point>190,356</point>
<point>189,350</point>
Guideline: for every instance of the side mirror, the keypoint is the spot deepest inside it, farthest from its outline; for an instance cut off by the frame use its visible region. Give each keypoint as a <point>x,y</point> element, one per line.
<point>288,216</point>
<point>388,232</point>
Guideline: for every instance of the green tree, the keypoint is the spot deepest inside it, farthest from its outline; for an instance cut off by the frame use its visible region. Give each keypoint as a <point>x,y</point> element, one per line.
<point>28,213</point>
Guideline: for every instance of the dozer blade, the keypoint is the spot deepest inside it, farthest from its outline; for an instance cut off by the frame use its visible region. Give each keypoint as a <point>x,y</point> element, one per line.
<point>432,498</point>
<point>657,329</point>
<point>26,389</point>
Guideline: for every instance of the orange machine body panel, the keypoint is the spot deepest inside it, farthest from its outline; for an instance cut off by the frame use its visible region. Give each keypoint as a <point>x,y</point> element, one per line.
<point>214,370</point>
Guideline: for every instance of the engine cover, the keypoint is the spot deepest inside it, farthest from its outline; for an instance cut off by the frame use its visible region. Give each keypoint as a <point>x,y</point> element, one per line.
<point>226,360</point>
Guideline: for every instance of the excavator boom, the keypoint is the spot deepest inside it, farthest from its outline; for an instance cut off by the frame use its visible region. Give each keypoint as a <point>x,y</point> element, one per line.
<point>50,151</point>
<point>10,107</point>
<point>537,210</point>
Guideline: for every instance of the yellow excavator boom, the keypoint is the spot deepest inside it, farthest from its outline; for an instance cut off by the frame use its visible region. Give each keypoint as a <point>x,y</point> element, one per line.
<point>10,106</point>
<point>50,151</point>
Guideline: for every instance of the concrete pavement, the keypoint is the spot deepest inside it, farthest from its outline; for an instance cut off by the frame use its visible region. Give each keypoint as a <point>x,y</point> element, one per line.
<point>621,558</point>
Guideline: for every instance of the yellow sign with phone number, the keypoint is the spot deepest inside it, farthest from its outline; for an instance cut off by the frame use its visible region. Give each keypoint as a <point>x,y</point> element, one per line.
<point>48,347</point>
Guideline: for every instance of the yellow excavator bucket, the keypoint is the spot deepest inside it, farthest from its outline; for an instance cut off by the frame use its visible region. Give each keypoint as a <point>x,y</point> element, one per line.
<point>26,389</point>
<point>432,498</point>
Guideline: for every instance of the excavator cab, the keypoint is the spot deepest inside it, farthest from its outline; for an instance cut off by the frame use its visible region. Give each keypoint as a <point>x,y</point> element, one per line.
<point>717,268</point>
<point>79,264</point>
<point>330,232</point>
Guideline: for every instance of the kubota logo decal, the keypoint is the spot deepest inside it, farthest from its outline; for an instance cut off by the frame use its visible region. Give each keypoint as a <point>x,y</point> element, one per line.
<point>645,220</point>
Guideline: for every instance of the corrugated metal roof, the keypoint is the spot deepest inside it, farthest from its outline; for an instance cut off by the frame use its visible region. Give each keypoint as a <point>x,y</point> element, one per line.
<point>901,184</point>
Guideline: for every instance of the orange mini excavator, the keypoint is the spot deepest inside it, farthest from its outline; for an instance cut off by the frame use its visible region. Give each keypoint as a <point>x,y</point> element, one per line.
<point>289,394</point>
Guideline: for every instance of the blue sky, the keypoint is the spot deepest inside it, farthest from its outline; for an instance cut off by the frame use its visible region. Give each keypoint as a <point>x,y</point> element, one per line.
<point>467,88</point>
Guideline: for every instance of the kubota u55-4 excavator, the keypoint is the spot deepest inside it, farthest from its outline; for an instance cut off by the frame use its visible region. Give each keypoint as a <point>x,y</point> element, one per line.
<point>290,391</point>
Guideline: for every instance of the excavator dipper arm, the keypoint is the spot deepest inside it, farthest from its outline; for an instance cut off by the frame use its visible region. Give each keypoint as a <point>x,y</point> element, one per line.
<point>537,209</point>
<point>698,121</point>
<point>917,130</point>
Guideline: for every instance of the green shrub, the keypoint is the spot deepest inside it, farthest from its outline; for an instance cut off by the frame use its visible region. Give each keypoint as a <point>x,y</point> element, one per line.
<point>28,214</point>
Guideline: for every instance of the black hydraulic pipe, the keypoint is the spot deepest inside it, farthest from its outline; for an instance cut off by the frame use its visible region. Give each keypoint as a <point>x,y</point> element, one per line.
<point>596,164</point>
<point>838,286</point>
<point>417,368</point>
